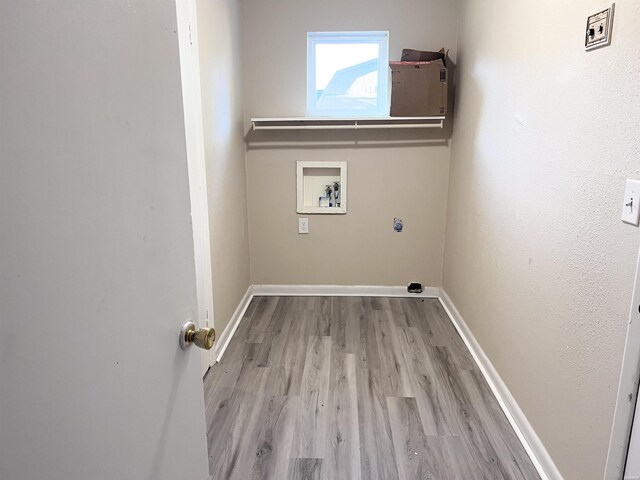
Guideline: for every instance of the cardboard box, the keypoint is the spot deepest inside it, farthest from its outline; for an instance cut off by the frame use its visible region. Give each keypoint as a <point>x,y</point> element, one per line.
<point>419,88</point>
<point>410,55</point>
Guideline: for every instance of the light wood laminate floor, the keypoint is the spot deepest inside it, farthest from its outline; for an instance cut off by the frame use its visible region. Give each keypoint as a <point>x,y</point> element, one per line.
<point>330,388</point>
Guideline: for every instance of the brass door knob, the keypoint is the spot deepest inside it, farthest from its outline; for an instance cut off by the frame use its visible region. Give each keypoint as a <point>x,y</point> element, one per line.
<point>202,337</point>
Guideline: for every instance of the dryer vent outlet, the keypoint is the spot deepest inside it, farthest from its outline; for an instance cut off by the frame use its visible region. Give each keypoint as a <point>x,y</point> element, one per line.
<point>414,288</point>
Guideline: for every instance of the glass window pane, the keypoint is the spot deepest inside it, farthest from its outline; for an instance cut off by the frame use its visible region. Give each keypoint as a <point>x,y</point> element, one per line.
<point>346,77</point>
<point>332,57</point>
<point>345,74</point>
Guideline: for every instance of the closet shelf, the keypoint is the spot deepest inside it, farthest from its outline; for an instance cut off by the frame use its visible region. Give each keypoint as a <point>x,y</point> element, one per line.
<point>354,123</point>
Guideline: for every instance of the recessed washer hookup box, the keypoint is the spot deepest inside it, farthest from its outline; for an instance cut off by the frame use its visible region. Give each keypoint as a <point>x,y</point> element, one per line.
<point>419,88</point>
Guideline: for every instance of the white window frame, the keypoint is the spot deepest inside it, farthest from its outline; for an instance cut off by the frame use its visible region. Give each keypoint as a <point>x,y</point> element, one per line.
<point>379,37</point>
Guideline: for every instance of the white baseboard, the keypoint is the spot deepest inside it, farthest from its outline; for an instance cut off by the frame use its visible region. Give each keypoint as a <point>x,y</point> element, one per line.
<point>342,291</point>
<point>223,340</point>
<point>525,432</point>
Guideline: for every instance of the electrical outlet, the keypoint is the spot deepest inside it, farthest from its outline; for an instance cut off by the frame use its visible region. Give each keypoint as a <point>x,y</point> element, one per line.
<point>631,203</point>
<point>303,225</point>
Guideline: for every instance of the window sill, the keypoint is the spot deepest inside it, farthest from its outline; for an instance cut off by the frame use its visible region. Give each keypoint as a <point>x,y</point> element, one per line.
<point>346,123</point>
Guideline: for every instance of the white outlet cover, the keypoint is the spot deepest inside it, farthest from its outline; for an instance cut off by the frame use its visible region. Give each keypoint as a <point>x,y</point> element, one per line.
<point>598,31</point>
<point>303,225</point>
<point>631,203</point>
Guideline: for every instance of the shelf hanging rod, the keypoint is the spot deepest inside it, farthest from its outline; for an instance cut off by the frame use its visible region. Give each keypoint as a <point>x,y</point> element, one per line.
<point>353,126</point>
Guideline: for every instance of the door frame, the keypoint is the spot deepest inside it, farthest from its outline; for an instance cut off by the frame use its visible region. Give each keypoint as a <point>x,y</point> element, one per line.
<point>627,391</point>
<point>196,164</point>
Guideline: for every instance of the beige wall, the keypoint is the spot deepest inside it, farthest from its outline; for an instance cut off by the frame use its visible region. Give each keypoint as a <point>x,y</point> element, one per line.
<point>360,247</point>
<point>537,260</point>
<point>220,71</point>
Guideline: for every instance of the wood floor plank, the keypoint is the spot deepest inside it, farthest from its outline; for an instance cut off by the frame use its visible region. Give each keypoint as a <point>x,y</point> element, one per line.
<point>242,331</point>
<point>428,316</point>
<point>263,314</point>
<point>324,316</point>
<point>219,411</point>
<point>312,421</point>
<point>255,336</point>
<point>463,359</point>
<point>308,303</point>
<point>414,455</point>
<point>305,469</point>
<point>353,388</point>
<point>266,343</point>
<point>412,311</point>
<point>275,438</point>
<point>273,344</point>
<point>377,455</point>
<point>251,308</point>
<point>245,381</point>
<point>461,416</point>
<point>221,375</point>
<point>423,381</point>
<point>443,332</point>
<point>222,381</point>
<point>459,464</point>
<point>347,313</point>
<point>397,311</point>
<point>338,328</point>
<point>375,303</point>
<point>342,452</point>
<point>291,366</point>
<point>231,451</point>
<point>502,437</point>
<point>283,307</point>
<point>392,361</point>
<point>368,355</point>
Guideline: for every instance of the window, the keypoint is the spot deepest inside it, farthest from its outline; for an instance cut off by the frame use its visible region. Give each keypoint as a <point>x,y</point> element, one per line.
<point>347,74</point>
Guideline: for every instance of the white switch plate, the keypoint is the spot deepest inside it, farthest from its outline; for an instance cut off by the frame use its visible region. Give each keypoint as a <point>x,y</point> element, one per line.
<point>631,204</point>
<point>303,225</point>
<point>599,26</point>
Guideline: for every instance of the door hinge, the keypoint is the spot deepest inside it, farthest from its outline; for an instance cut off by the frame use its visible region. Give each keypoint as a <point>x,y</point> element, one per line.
<point>190,36</point>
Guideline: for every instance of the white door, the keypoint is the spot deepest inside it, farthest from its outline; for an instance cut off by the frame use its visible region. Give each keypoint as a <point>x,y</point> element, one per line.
<point>632,465</point>
<point>96,247</point>
<point>632,468</point>
<point>623,458</point>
